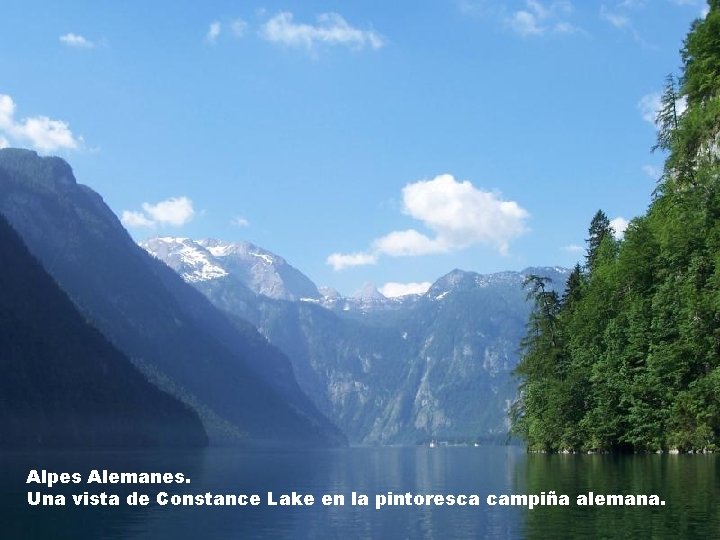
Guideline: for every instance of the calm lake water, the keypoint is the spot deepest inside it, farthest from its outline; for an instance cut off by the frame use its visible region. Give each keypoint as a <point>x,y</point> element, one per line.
<point>690,485</point>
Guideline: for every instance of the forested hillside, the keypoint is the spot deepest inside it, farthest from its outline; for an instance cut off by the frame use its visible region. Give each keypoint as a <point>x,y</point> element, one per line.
<point>628,358</point>
<point>63,383</point>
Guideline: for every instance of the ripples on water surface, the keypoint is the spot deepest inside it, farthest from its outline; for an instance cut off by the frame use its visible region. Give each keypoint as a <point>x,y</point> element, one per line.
<point>690,485</point>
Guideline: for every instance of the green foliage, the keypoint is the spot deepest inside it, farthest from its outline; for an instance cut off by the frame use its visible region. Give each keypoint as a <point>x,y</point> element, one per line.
<point>629,358</point>
<point>667,116</point>
<point>599,230</point>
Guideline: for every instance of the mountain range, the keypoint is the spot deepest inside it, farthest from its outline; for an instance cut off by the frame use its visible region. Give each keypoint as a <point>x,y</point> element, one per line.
<point>253,348</point>
<point>242,387</point>
<point>385,370</point>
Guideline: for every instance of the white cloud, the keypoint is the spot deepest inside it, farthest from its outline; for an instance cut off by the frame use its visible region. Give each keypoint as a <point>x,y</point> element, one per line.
<point>565,28</point>
<point>458,214</point>
<point>618,20</point>
<point>394,290</point>
<point>7,111</point>
<point>41,132</point>
<point>650,104</point>
<point>239,221</point>
<point>681,105</point>
<point>238,27</point>
<point>4,143</point>
<point>213,32</point>
<point>175,211</point>
<point>76,41</point>
<point>331,29</point>
<point>525,23</point>
<point>538,18</point>
<point>136,219</point>
<point>46,134</point>
<point>462,215</point>
<point>573,248</point>
<point>340,261</point>
<point>619,225</point>
<point>537,8</point>
<point>407,243</point>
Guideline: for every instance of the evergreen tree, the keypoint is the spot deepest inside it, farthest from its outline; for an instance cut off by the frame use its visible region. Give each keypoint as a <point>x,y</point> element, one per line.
<point>599,229</point>
<point>630,358</point>
<point>573,288</point>
<point>667,116</point>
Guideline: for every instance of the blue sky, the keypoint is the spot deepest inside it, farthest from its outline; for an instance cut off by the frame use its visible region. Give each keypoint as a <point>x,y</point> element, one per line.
<point>362,141</point>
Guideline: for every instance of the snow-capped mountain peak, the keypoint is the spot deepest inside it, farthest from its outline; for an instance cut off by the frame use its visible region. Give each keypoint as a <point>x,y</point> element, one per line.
<point>193,262</point>
<point>208,259</point>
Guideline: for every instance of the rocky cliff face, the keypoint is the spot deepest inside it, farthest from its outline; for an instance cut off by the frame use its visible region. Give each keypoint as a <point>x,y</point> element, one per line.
<point>400,370</point>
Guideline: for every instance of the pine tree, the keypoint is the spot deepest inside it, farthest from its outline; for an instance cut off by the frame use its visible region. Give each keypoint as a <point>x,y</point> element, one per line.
<point>667,116</point>
<point>573,288</point>
<point>599,230</point>
<point>629,359</point>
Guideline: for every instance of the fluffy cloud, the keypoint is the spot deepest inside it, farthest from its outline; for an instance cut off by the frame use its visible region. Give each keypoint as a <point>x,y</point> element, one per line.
<point>394,290</point>
<point>538,18</point>
<point>175,211</point>
<point>407,243</point>
<point>330,29</point>
<point>213,32</point>
<point>239,221</point>
<point>458,215</point>
<point>76,41</point>
<point>525,23</point>
<point>4,143</point>
<point>41,132</point>
<point>619,225</point>
<point>462,215</point>
<point>340,261</point>
<point>136,219</point>
<point>573,248</point>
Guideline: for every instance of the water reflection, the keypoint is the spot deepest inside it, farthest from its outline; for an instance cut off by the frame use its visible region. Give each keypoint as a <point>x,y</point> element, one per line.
<point>21,520</point>
<point>689,484</point>
<point>363,470</point>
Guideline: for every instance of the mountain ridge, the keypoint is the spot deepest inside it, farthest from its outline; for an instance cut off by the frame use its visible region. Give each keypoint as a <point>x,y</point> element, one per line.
<point>406,369</point>
<point>226,371</point>
<point>64,384</point>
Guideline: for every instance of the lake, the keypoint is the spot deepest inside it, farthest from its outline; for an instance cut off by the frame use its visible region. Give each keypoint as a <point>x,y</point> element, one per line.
<point>690,485</point>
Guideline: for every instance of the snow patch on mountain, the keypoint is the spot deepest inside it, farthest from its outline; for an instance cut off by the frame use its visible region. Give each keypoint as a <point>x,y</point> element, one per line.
<point>209,259</point>
<point>190,260</point>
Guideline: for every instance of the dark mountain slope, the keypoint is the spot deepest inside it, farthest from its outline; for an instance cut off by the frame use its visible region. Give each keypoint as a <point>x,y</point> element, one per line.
<point>242,387</point>
<point>63,384</point>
